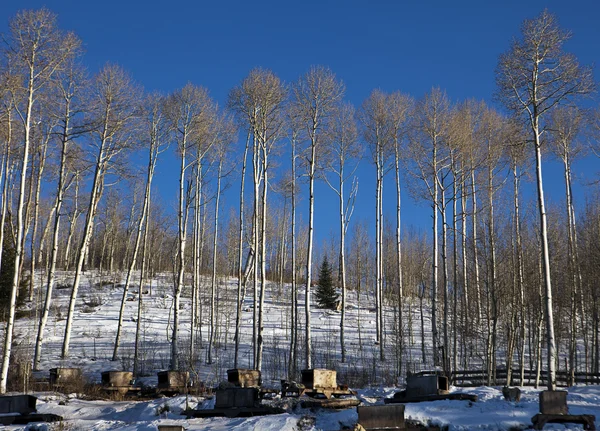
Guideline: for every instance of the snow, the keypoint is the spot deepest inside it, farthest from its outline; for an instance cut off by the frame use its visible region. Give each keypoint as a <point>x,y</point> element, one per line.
<point>490,412</point>
<point>95,327</point>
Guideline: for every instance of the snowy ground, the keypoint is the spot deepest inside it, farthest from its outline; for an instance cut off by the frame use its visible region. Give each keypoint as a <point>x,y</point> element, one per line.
<point>93,337</point>
<point>490,412</point>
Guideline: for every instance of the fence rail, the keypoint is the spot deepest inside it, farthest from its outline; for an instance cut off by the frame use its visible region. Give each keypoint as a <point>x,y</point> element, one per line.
<point>464,378</point>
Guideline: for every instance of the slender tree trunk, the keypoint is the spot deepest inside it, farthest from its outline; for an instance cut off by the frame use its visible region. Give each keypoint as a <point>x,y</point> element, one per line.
<point>342,263</point>
<point>36,212</point>
<point>294,317</point>
<point>573,263</point>
<point>55,237</point>
<point>256,216</point>
<point>455,288</point>
<point>475,250</point>
<point>182,228</point>
<point>443,209</point>
<point>197,252</point>
<point>520,274</point>
<point>140,305</point>
<point>550,339</point>
<point>240,298</point>
<point>492,274</point>
<point>263,260</point>
<point>96,193</point>
<point>138,239</point>
<point>20,237</point>
<point>399,259</point>
<point>72,225</point>
<point>434,275</point>
<point>311,203</point>
<point>465,278</point>
<point>213,285</point>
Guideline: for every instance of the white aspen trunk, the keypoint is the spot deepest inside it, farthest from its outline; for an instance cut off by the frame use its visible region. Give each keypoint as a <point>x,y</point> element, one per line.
<point>138,238</point>
<point>240,298</point>
<point>455,180</point>
<point>520,276</point>
<point>199,301</point>
<point>96,193</point>
<point>573,264</point>
<point>182,228</point>
<point>196,264</point>
<point>540,322</point>
<point>294,306</point>
<point>44,235</point>
<point>311,203</point>
<point>72,225</point>
<point>446,352</point>
<point>213,285</point>
<point>465,278</point>
<point>475,252</point>
<point>256,216</point>
<point>195,275</point>
<point>434,267</point>
<point>380,264</point>
<point>36,212</point>
<point>263,258</point>
<point>55,237</point>
<point>378,223</point>
<point>399,258</point>
<point>140,305</point>
<point>27,219</point>
<point>493,277</point>
<point>20,234</point>
<point>551,342</point>
<point>342,262</point>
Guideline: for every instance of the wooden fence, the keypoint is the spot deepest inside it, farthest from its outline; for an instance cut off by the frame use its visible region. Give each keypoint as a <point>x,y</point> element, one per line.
<point>480,377</point>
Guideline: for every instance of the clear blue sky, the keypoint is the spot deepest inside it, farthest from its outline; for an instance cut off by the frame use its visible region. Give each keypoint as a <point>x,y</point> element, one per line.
<point>405,45</point>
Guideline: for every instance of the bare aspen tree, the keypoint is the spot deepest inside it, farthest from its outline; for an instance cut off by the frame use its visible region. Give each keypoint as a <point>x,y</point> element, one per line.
<point>189,112</point>
<point>73,215</point>
<point>43,132</point>
<point>428,163</point>
<point>400,106</point>
<point>222,135</point>
<point>259,103</point>
<point>295,135</point>
<point>154,133</point>
<point>459,138</point>
<point>565,128</point>
<point>153,137</point>
<point>534,76</point>
<point>516,156</point>
<point>490,136</point>
<point>343,149</point>
<point>315,96</point>
<point>113,103</point>
<point>376,132</point>
<point>36,49</point>
<point>241,279</point>
<point>68,101</point>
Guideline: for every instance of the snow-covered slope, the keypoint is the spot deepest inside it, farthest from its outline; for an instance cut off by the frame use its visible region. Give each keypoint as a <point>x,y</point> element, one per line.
<point>93,337</point>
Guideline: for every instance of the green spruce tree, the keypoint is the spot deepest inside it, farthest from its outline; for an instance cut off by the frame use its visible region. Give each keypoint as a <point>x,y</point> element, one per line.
<point>7,271</point>
<point>326,294</point>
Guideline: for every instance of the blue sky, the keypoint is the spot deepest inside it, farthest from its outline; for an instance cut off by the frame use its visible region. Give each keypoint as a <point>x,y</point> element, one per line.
<point>404,45</point>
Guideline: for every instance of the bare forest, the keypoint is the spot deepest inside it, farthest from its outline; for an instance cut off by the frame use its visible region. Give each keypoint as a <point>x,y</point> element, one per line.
<point>504,277</point>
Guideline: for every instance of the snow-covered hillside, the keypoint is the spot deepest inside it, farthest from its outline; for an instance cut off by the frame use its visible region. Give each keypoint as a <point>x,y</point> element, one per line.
<point>93,337</point>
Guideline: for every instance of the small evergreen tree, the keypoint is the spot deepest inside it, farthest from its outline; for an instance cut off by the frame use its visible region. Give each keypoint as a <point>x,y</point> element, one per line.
<point>326,294</point>
<point>7,271</point>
